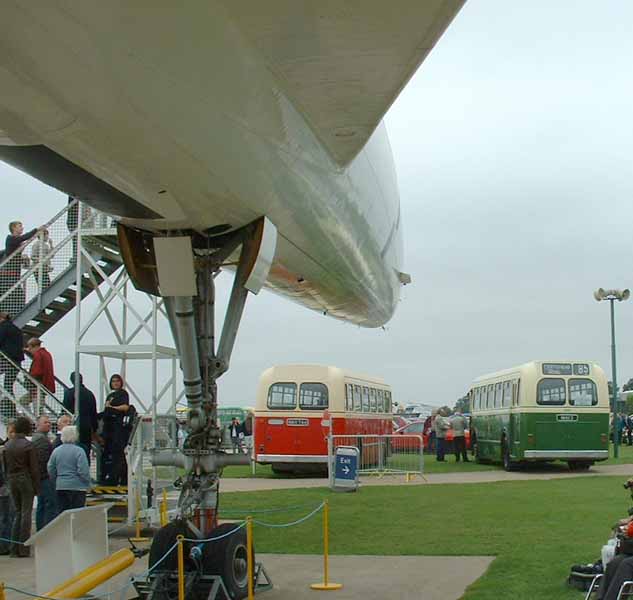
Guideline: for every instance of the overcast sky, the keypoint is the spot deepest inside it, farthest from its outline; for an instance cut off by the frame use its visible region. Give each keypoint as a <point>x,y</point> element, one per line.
<point>513,145</point>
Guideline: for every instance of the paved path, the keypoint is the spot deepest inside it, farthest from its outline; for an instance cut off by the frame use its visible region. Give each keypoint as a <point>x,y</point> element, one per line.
<point>542,473</point>
<point>363,577</point>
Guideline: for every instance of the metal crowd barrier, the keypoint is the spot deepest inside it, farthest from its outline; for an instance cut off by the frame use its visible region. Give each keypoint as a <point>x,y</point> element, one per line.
<point>383,454</point>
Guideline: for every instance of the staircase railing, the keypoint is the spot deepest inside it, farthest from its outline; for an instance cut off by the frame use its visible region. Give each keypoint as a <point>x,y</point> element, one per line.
<point>38,262</point>
<point>27,395</point>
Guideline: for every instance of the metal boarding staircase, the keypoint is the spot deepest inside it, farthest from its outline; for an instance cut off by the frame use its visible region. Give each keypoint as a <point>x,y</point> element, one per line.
<point>28,397</point>
<point>38,288</point>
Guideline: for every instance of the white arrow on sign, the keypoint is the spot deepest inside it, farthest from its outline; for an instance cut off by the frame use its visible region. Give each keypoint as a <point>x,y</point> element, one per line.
<point>345,469</point>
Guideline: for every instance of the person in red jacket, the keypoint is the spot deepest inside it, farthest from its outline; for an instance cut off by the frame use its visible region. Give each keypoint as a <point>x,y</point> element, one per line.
<point>42,365</point>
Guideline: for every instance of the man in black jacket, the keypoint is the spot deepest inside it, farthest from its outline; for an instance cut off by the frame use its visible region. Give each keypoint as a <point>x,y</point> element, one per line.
<point>12,270</point>
<point>46,500</point>
<point>87,412</point>
<point>12,345</point>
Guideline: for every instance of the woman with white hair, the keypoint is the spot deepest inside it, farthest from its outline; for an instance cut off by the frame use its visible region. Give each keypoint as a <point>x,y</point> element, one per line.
<point>68,469</point>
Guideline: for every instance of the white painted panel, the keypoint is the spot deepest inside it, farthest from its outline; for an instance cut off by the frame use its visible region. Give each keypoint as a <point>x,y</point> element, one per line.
<point>174,259</point>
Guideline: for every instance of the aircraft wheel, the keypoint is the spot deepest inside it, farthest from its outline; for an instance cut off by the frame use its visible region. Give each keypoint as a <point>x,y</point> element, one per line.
<point>227,557</point>
<point>164,539</point>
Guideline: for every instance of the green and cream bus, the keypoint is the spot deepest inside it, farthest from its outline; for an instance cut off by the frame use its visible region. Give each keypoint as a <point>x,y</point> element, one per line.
<point>542,411</point>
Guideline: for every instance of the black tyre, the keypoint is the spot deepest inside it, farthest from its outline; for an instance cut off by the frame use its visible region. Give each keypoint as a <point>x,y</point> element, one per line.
<point>579,465</point>
<point>508,465</point>
<point>478,458</point>
<point>227,558</point>
<point>164,539</point>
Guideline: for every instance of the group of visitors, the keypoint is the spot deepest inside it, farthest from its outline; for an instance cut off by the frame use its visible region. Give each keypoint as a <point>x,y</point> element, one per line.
<point>237,432</point>
<point>57,474</point>
<point>625,428</point>
<point>438,424</point>
<point>57,471</point>
<point>21,252</point>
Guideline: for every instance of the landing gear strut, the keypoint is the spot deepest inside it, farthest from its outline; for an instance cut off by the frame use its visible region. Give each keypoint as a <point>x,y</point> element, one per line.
<point>192,320</point>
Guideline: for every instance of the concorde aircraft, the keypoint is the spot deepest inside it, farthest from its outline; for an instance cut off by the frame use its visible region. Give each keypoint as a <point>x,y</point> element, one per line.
<point>240,131</point>
<point>210,114</point>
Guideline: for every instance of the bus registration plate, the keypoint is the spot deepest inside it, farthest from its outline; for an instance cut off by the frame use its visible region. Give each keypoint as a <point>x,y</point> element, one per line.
<point>566,417</point>
<point>297,422</point>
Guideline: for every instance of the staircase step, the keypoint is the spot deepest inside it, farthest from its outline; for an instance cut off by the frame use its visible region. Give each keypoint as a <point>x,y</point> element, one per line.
<point>61,306</point>
<point>44,318</point>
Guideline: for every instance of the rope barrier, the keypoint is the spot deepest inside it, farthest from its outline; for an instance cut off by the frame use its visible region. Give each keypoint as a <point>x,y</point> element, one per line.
<point>292,523</point>
<point>178,544</point>
<point>265,510</point>
<point>219,537</point>
<point>10,541</point>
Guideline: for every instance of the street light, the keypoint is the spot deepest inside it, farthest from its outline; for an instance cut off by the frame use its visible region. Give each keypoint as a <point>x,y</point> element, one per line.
<point>613,295</point>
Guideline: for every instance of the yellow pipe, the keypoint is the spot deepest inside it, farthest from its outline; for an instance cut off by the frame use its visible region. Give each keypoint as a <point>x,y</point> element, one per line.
<point>181,568</point>
<point>249,556</point>
<point>2,596</point>
<point>96,574</point>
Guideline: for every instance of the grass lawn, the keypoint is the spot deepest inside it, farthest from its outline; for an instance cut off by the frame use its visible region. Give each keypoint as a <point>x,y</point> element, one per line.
<point>536,529</point>
<point>430,466</point>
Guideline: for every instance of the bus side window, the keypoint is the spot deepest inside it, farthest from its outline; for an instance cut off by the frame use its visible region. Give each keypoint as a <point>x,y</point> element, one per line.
<point>498,394</point>
<point>507,394</point>
<point>388,405</point>
<point>365,407</point>
<point>357,398</point>
<point>349,397</point>
<point>282,396</point>
<point>490,400</point>
<point>517,392</point>
<point>380,401</point>
<point>372,400</point>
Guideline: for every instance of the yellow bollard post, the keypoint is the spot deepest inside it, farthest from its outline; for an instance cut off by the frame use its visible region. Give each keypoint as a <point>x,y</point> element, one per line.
<point>164,519</point>
<point>249,557</point>
<point>326,585</point>
<point>181,568</point>
<point>138,537</point>
<point>2,596</point>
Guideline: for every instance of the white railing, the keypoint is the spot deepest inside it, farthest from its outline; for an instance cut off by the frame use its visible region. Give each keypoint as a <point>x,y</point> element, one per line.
<point>144,439</point>
<point>25,395</point>
<point>383,454</point>
<point>40,260</point>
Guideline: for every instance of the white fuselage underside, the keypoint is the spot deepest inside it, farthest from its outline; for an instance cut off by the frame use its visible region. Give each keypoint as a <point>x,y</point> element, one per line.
<point>177,110</point>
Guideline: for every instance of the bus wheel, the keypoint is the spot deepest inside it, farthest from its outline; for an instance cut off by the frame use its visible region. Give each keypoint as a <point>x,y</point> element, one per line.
<point>508,465</point>
<point>227,557</point>
<point>579,465</point>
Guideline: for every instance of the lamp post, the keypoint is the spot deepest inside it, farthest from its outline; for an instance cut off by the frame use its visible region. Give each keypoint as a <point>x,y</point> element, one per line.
<point>613,295</point>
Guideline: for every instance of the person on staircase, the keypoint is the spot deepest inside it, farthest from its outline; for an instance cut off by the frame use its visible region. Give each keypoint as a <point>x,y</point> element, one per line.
<point>46,509</point>
<point>115,434</point>
<point>12,346</point>
<point>15,301</point>
<point>42,368</point>
<point>42,247</point>
<point>86,412</point>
